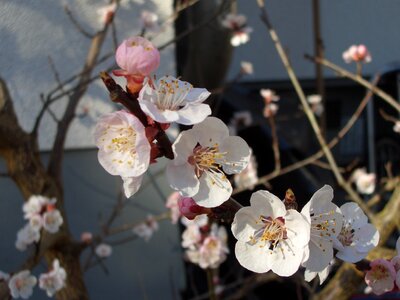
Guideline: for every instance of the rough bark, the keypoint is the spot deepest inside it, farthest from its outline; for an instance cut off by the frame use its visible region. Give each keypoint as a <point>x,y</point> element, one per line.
<point>24,166</point>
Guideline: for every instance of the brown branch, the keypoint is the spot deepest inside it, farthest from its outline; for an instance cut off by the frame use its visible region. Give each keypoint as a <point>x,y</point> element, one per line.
<point>56,155</point>
<point>310,115</point>
<point>275,145</point>
<point>377,91</point>
<point>76,23</point>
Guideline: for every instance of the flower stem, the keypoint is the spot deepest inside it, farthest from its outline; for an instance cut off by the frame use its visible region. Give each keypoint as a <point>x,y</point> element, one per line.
<point>211,286</point>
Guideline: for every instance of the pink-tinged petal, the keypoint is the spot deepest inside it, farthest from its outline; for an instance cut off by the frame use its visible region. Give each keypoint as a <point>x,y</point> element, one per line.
<point>182,178</point>
<point>396,262</point>
<point>237,154</point>
<point>254,258</point>
<point>398,279</point>
<point>132,185</point>
<point>211,131</point>
<point>214,190</point>
<point>381,276</point>
<point>245,223</point>
<point>398,246</point>
<point>193,114</point>
<point>267,204</point>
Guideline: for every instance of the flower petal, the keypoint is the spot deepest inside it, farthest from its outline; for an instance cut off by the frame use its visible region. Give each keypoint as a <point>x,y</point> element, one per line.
<point>253,257</point>
<point>237,154</point>
<point>267,204</point>
<point>197,95</point>
<point>192,114</point>
<point>182,178</point>
<point>183,147</point>
<point>298,228</point>
<point>132,185</point>
<point>214,190</point>
<point>286,259</point>
<point>245,223</point>
<point>161,116</point>
<point>212,130</point>
<point>366,238</point>
<point>353,214</point>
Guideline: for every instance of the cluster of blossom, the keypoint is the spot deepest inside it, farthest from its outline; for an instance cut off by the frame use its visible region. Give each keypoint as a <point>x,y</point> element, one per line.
<point>146,229</point>
<point>204,245</point>
<point>148,19</point>
<point>316,104</point>
<point>22,283</point>
<point>357,53</point>
<point>270,99</point>
<point>272,237</point>
<point>383,274</point>
<point>365,182</point>
<point>41,213</point>
<point>240,30</point>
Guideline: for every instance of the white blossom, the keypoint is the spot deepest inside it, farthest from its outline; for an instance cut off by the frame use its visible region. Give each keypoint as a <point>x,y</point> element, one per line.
<point>146,229</point>
<point>26,236</point>
<point>212,249</point>
<point>365,182</point>
<point>203,155</point>
<point>357,237</point>
<point>172,204</point>
<point>21,284</point>
<point>52,220</point>
<point>381,276</point>
<point>149,20</point>
<point>54,280</point>
<point>322,275</point>
<point>240,31</point>
<point>103,250</point>
<point>396,127</point>
<point>34,205</point>
<point>172,100</point>
<point>248,178</point>
<point>246,67</point>
<point>123,146</point>
<point>269,236</point>
<point>326,222</point>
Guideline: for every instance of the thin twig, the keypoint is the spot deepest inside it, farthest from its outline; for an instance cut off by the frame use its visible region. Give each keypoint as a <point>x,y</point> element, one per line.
<point>377,91</point>
<point>310,115</point>
<point>76,23</point>
<point>275,145</point>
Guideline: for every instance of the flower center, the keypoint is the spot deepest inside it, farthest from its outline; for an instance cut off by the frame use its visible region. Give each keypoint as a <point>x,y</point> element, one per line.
<point>323,226</point>
<point>272,232</point>
<point>170,95</point>
<point>121,140</point>
<point>207,159</point>
<point>379,272</point>
<point>346,235</point>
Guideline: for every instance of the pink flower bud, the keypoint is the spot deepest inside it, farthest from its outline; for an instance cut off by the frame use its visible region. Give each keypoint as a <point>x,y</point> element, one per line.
<point>137,56</point>
<point>189,208</point>
<point>86,237</point>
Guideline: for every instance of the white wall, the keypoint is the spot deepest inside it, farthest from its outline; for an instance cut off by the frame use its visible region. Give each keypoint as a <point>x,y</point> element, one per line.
<point>372,22</point>
<point>32,30</point>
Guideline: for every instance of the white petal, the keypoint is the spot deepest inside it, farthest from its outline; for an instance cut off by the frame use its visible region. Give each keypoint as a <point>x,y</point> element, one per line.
<point>267,204</point>
<point>214,190</point>
<point>212,130</point>
<point>298,229</point>
<point>237,154</point>
<point>161,116</point>
<point>183,147</point>
<point>245,224</point>
<point>366,238</point>
<point>350,254</point>
<point>286,258</point>
<point>193,113</point>
<point>309,275</point>
<point>182,178</point>
<point>353,213</point>
<point>253,258</point>
<point>132,185</point>
<point>323,275</point>
<point>319,259</point>
<point>197,95</point>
